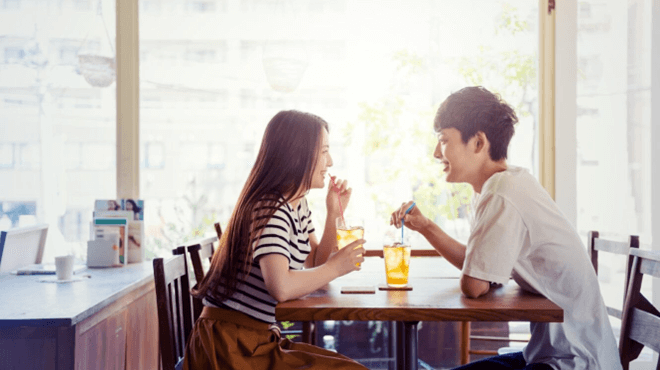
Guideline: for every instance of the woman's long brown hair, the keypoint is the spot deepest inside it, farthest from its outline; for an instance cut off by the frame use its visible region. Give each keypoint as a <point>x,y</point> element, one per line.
<point>282,170</point>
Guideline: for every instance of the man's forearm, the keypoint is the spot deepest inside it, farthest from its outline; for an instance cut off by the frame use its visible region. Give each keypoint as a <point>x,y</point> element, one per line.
<point>452,250</point>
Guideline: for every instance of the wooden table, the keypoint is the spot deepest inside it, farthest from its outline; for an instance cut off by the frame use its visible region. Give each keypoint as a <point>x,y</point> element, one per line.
<point>105,321</point>
<point>436,296</point>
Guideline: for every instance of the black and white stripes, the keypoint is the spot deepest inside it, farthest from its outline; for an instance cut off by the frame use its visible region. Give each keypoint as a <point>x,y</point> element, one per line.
<point>286,233</point>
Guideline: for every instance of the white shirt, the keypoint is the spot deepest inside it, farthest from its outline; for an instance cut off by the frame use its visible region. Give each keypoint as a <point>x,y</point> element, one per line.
<point>519,231</point>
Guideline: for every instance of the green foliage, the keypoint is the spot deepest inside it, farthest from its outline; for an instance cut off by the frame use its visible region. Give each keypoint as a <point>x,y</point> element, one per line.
<point>191,222</point>
<point>511,73</point>
<point>286,325</point>
<point>383,118</point>
<point>510,21</point>
<point>409,63</point>
<point>392,126</point>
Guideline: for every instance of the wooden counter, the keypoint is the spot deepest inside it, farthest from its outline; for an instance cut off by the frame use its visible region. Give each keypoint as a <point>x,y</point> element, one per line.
<point>106,321</point>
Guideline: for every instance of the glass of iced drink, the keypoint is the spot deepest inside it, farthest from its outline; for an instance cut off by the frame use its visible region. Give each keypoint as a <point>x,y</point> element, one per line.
<point>347,234</point>
<point>397,263</point>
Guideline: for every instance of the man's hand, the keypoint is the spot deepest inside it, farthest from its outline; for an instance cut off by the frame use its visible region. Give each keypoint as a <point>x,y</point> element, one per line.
<point>414,220</point>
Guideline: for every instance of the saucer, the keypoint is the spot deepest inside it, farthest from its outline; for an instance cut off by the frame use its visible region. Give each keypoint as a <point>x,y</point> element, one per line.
<point>53,279</point>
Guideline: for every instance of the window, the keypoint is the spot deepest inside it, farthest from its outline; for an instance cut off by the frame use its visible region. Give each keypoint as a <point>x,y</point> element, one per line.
<point>150,6</point>
<point>265,6</point>
<point>68,54</point>
<point>205,6</point>
<point>27,156</point>
<point>376,85</point>
<point>249,49</point>
<point>217,156</point>
<point>82,4</point>
<point>208,52</point>
<point>16,214</point>
<point>13,54</point>
<point>328,6</point>
<point>6,155</point>
<point>58,131</point>
<point>11,4</point>
<point>613,127</point>
<point>153,155</point>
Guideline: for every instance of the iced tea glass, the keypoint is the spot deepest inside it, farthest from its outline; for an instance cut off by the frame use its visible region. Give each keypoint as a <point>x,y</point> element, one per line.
<point>347,234</point>
<point>397,264</point>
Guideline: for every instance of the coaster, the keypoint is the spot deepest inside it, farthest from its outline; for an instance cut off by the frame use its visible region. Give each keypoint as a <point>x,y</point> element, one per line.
<point>53,279</point>
<point>387,287</point>
<point>368,289</point>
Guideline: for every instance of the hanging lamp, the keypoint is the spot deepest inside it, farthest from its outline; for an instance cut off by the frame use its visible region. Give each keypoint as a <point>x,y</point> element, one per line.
<point>284,63</point>
<point>98,70</point>
<point>285,60</point>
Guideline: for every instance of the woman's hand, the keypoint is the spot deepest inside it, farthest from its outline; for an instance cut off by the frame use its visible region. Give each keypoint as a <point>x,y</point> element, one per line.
<point>414,220</point>
<point>347,259</point>
<point>337,190</point>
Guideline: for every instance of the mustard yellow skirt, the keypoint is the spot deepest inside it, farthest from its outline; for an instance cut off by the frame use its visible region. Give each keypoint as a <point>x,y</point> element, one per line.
<point>227,339</point>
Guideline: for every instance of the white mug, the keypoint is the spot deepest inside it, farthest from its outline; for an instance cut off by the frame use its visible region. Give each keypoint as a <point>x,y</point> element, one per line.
<point>64,267</point>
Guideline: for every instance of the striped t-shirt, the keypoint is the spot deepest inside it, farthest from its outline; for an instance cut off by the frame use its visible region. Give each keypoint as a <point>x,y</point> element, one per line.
<point>286,233</point>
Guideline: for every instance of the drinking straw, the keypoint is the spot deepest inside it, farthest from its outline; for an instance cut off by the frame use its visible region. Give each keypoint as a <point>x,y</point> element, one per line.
<point>403,222</point>
<point>341,210</point>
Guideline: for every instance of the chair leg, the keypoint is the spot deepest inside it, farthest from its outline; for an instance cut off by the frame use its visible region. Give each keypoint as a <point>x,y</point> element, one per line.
<point>309,332</point>
<point>465,342</point>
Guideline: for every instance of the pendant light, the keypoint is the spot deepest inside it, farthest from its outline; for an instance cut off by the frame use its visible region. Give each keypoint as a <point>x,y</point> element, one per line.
<point>285,60</point>
<point>284,63</point>
<point>98,70</point>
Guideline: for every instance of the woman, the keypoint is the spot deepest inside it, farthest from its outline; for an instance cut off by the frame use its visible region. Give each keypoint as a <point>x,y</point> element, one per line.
<point>269,238</point>
<point>131,205</point>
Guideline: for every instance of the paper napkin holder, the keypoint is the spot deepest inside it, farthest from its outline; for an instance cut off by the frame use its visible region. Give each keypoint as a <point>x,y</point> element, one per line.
<point>102,253</point>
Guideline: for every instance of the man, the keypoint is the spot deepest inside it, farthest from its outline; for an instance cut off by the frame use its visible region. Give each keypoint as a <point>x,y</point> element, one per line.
<point>517,231</point>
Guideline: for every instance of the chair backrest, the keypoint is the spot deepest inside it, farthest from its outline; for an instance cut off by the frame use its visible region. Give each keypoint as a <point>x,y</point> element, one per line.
<point>22,246</point>
<point>640,322</point>
<point>218,230</point>
<point>197,250</point>
<point>596,244</point>
<point>174,303</point>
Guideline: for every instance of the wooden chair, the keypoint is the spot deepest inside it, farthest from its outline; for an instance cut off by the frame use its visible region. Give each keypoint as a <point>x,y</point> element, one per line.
<point>218,230</point>
<point>202,249</point>
<point>174,304</point>
<point>197,251</point>
<point>596,244</point>
<point>640,320</point>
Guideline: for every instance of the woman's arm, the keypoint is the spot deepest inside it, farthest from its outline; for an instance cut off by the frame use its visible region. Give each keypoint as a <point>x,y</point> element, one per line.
<point>285,284</point>
<point>338,191</point>
<point>321,251</point>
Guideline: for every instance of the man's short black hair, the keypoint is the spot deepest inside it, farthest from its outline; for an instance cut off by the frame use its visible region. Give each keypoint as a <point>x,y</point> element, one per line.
<point>473,109</point>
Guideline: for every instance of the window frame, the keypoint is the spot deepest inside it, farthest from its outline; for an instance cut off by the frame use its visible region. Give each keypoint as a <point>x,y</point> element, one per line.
<point>557,118</point>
